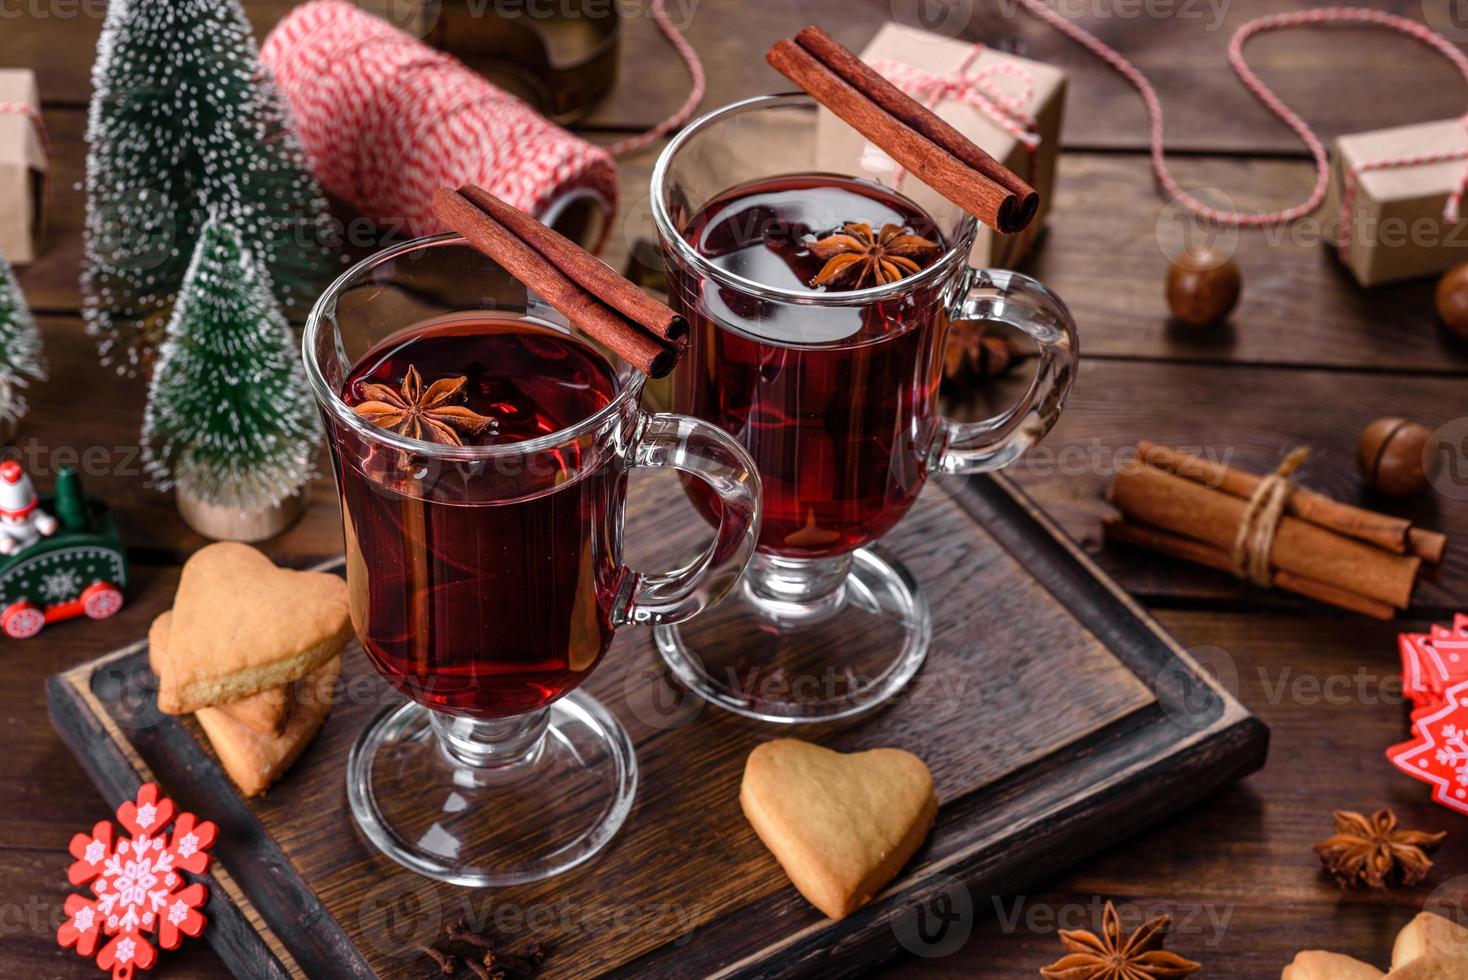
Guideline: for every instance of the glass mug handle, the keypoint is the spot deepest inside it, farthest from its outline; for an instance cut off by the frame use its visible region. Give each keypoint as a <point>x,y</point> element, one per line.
<point>707,453</point>
<point>1021,302</point>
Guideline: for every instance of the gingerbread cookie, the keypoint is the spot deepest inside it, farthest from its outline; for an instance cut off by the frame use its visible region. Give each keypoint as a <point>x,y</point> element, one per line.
<point>1431,937</point>
<point>241,626</point>
<point>1316,964</point>
<point>841,826</point>
<point>266,712</point>
<point>255,761</point>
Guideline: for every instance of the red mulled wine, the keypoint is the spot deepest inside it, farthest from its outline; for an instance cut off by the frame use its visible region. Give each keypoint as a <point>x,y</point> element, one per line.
<point>837,403</point>
<point>485,588</point>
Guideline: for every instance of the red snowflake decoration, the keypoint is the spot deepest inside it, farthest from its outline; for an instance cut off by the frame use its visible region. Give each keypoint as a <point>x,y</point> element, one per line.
<point>1432,662</point>
<point>1438,754</point>
<point>137,884</point>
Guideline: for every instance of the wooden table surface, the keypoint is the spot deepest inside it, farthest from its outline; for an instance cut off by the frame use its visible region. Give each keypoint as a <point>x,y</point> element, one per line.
<point>1308,359</point>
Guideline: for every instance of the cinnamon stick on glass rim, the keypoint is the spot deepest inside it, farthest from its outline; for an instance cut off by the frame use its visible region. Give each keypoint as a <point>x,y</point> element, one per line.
<point>906,130</point>
<point>584,289</point>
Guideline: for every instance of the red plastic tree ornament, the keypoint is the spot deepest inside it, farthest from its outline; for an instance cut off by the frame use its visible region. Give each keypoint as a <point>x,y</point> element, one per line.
<point>137,884</point>
<point>1432,662</point>
<point>1438,753</point>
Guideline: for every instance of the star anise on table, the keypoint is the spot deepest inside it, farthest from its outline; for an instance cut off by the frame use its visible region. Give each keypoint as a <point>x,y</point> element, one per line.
<point>1372,851</point>
<point>856,257</point>
<point>1109,956</point>
<point>421,414</point>
<point>975,351</point>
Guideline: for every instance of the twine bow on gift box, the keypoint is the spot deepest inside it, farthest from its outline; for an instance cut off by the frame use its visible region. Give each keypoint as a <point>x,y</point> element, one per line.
<point>1452,208</point>
<point>1009,110</point>
<point>30,112</point>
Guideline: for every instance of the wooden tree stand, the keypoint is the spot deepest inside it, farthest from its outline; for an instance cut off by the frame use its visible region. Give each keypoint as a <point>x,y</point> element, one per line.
<point>233,524</point>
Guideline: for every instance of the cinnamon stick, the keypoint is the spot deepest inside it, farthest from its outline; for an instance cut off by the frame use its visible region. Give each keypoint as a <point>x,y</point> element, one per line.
<point>1153,496</point>
<point>583,303</point>
<point>1393,533</point>
<point>1177,546</point>
<point>1382,530</point>
<point>905,130</point>
<point>585,269</point>
<point>1016,210</point>
<point>1430,546</point>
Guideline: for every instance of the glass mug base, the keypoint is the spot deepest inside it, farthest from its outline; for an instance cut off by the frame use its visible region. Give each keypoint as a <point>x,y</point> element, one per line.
<point>465,802</point>
<point>844,648</point>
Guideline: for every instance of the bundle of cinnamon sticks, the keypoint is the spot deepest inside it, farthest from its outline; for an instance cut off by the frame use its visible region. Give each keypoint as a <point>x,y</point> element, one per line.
<point>1182,505</point>
<point>906,130</point>
<point>582,287</point>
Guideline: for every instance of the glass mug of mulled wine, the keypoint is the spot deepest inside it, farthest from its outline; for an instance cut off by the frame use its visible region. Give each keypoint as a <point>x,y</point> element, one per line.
<point>481,447</point>
<point>819,294</point>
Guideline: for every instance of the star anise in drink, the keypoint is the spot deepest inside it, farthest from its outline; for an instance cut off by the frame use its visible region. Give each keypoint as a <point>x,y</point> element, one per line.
<point>1110,956</point>
<point>1372,851</point>
<point>856,257</point>
<point>412,411</point>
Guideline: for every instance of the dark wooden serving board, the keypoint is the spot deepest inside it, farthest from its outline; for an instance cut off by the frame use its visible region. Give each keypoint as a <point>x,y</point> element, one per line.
<point>1057,718</point>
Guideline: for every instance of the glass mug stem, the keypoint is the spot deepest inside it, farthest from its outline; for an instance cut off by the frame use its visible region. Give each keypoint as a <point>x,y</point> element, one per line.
<point>491,747</point>
<point>792,589</point>
<point>997,295</point>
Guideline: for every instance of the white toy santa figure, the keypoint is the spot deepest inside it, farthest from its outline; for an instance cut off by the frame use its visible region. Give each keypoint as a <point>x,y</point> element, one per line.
<point>22,522</point>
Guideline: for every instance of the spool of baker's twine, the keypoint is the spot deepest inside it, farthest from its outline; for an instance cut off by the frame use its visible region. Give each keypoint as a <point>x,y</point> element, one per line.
<point>386,120</point>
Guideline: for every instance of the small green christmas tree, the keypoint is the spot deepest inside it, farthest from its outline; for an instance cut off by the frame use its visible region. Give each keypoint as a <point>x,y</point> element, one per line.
<point>230,419</point>
<point>20,347</point>
<point>185,124</point>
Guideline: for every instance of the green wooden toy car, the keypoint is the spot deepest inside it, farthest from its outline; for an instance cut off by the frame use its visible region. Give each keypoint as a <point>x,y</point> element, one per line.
<point>79,569</point>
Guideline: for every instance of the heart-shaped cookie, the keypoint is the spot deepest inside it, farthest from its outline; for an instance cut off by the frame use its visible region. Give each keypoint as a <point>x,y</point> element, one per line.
<point>241,626</point>
<point>266,712</point>
<point>255,761</point>
<point>1314,964</point>
<point>1429,938</point>
<point>840,825</point>
<point>1433,966</point>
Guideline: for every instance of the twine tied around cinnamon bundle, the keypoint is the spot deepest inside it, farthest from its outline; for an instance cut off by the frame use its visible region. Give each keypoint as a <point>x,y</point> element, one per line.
<point>1254,543</point>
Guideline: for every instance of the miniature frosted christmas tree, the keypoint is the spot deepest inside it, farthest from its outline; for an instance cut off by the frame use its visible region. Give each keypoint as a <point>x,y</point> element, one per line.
<point>230,420</point>
<point>184,124</point>
<point>20,348</point>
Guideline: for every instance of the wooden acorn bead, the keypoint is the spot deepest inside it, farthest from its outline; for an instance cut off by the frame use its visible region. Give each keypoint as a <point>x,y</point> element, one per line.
<point>1203,286</point>
<point>1391,454</point>
<point>1452,299</point>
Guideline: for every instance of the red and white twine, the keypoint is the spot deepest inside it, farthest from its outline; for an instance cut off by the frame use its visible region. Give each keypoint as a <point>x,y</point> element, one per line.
<point>1306,18</point>
<point>696,86</point>
<point>385,120</point>
<point>1006,106</point>
<point>34,115</point>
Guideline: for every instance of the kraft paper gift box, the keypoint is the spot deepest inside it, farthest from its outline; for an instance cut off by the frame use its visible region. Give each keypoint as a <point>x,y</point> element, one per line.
<point>23,166</point>
<point>1394,229</point>
<point>1034,91</point>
